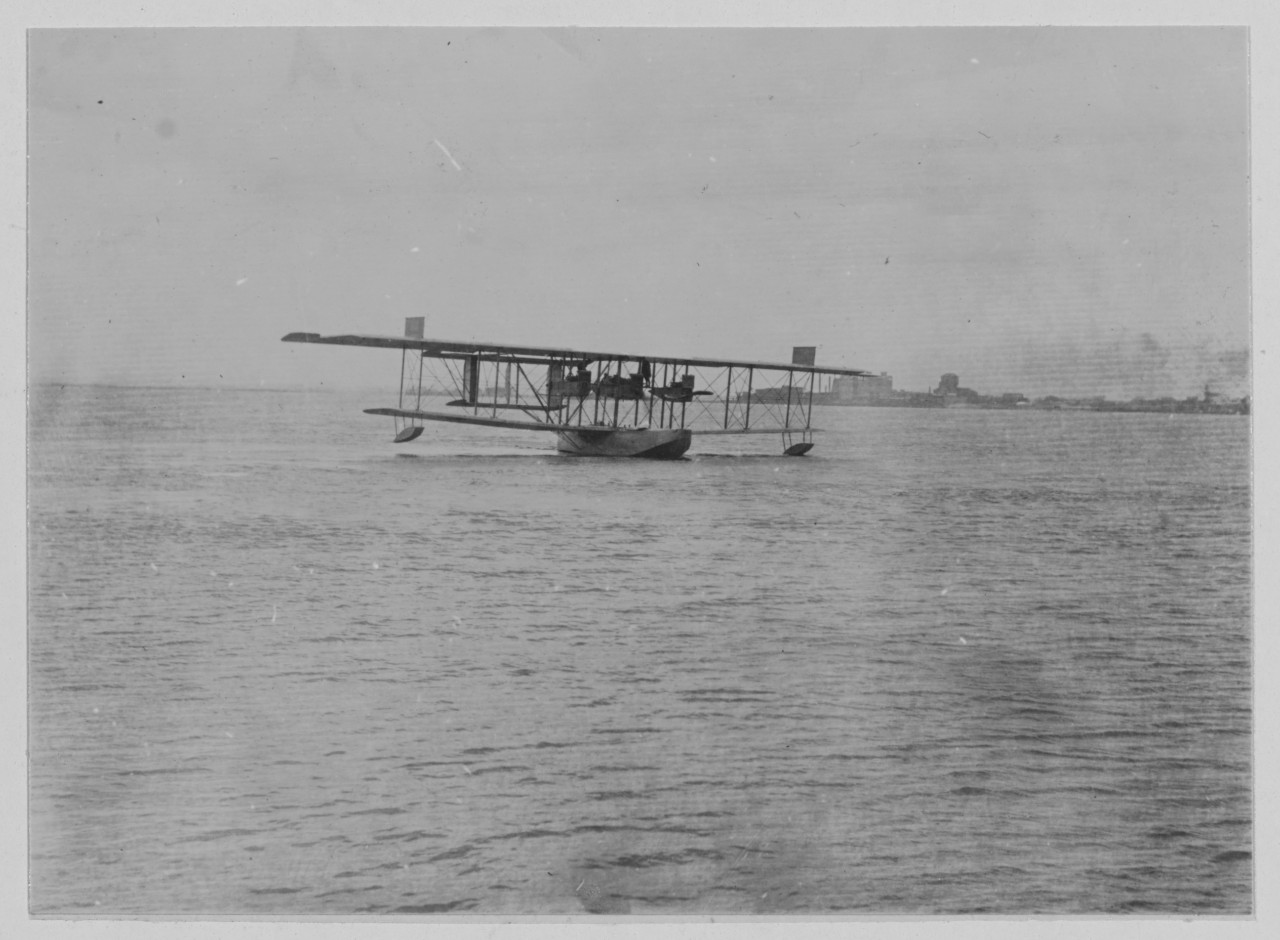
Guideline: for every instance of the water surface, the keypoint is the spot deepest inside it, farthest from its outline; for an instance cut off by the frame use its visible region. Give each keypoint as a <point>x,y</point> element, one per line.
<point>952,662</point>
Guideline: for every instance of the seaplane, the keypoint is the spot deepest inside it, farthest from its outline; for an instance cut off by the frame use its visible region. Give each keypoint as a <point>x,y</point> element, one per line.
<point>597,404</point>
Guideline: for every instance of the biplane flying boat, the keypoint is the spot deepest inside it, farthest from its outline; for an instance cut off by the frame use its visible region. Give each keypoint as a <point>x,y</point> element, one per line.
<point>596,403</point>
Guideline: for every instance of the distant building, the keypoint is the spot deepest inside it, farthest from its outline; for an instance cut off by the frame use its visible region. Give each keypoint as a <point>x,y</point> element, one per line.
<point>954,394</point>
<point>949,388</point>
<point>861,389</point>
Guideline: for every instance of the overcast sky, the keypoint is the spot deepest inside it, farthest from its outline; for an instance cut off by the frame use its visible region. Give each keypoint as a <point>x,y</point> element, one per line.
<point>1039,210</point>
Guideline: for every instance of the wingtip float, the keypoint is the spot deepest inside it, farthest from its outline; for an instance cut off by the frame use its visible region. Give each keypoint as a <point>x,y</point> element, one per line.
<point>598,404</point>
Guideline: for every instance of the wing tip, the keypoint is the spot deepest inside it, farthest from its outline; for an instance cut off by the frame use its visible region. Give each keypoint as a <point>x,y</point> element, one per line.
<point>300,338</point>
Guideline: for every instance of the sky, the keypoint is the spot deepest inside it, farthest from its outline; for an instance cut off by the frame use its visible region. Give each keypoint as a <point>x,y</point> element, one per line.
<point>1040,210</point>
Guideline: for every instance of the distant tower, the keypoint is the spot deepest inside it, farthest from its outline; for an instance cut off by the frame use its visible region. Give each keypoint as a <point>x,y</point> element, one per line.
<point>949,385</point>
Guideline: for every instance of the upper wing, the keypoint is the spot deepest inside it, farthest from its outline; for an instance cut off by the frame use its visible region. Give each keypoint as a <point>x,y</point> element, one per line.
<point>438,347</point>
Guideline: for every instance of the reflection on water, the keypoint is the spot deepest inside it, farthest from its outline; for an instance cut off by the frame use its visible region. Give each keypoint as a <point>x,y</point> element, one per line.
<point>950,662</point>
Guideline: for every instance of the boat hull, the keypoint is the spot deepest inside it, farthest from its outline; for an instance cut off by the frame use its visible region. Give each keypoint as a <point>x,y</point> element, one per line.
<point>654,444</point>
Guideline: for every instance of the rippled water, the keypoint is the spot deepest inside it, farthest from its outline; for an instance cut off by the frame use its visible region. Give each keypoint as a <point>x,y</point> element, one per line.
<point>951,662</point>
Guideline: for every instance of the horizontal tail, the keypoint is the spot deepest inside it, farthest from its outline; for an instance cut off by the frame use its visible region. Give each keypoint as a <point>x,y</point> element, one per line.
<point>468,419</point>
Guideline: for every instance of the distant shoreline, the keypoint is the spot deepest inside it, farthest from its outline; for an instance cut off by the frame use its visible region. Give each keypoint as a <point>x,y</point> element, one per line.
<point>1167,405</point>
<point>1107,407</point>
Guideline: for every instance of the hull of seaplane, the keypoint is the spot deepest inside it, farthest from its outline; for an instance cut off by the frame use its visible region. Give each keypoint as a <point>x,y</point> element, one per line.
<point>653,443</point>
